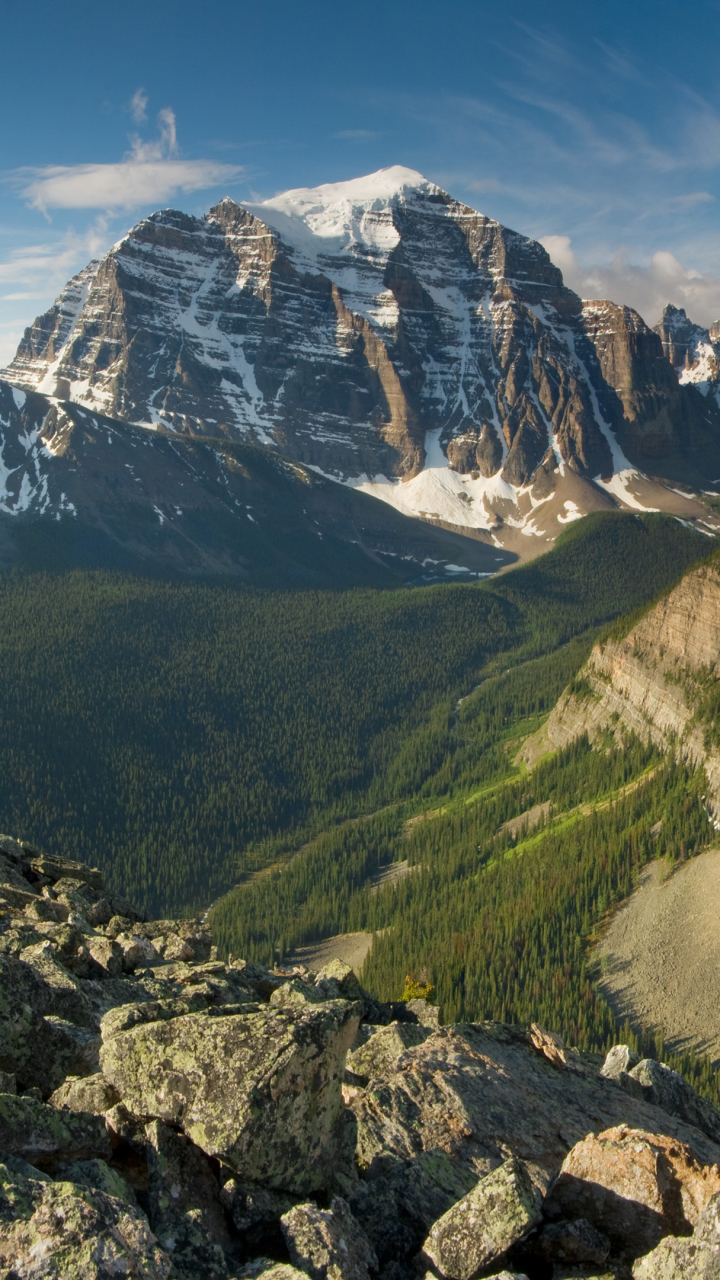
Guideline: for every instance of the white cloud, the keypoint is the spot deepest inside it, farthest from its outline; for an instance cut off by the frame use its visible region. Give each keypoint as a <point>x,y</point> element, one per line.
<point>151,173</point>
<point>138,104</point>
<point>646,288</point>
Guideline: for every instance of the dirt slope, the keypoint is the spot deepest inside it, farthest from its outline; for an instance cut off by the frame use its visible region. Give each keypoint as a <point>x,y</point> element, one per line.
<point>661,954</point>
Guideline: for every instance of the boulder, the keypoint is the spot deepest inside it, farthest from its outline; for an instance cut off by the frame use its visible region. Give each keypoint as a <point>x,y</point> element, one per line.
<point>256,1213</point>
<point>47,1137</point>
<point>328,1244</point>
<point>401,1199</point>
<point>73,1232</point>
<point>259,1090</point>
<point>667,1089</point>
<point>183,1205</point>
<point>382,1051</point>
<point>481,1227</point>
<point>633,1186</point>
<point>576,1243</point>
<point>89,1093</point>
<point>97,1174</point>
<point>480,1092</point>
<point>618,1061</point>
<point>677,1258</point>
<point>268,1270</point>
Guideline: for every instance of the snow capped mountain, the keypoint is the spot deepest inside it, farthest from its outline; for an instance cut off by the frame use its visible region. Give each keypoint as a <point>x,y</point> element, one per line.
<point>394,340</point>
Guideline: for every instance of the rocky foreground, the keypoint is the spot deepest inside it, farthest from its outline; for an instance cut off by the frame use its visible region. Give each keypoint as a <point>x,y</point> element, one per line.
<point>164,1114</point>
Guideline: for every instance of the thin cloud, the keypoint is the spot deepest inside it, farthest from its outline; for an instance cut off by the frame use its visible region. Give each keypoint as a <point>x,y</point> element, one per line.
<point>647,288</point>
<point>151,173</point>
<point>355,135</point>
<point>138,106</point>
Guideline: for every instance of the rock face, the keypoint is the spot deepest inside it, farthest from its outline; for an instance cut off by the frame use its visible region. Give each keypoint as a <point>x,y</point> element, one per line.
<point>693,351</point>
<point>226,1130</point>
<point>382,332</point>
<point>657,681</point>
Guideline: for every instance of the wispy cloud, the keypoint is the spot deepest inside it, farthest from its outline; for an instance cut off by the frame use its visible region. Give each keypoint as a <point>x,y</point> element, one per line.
<point>152,172</point>
<point>138,106</point>
<point>355,135</point>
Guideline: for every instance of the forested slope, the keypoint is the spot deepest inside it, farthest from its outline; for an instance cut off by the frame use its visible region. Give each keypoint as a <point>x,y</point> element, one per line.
<point>183,735</point>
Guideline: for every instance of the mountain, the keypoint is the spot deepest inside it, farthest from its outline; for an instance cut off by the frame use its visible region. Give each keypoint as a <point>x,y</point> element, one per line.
<point>79,488</point>
<point>658,678</point>
<point>693,351</point>
<point>394,340</point>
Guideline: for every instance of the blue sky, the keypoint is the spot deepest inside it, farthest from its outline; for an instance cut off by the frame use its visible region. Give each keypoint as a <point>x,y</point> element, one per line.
<point>595,128</point>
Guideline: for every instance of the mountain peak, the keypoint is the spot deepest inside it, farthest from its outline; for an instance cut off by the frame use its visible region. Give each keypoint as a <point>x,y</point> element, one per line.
<point>338,215</point>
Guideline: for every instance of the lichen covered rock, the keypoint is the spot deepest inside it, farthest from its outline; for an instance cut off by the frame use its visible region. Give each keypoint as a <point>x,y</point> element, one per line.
<point>328,1244</point>
<point>481,1227</point>
<point>259,1090</point>
<point>71,1232</point>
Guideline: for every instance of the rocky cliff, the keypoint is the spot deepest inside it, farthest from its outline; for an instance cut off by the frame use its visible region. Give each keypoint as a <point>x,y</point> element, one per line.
<point>169,1115</point>
<point>660,680</point>
<point>391,337</point>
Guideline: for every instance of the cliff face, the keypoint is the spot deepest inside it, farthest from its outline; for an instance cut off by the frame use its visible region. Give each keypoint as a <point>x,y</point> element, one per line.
<point>655,681</point>
<point>387,335</point>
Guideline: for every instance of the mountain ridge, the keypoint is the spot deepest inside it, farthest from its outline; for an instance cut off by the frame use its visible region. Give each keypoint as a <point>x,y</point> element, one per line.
<point>393,339</point>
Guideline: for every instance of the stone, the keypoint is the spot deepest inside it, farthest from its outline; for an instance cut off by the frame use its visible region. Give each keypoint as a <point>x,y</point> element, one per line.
<point>259,1090</point>
<point>667,1089</point>
<point>91,1093</point>
<point>256,1213</point>
<point>183,1204</point>
<point>340,980</point>
<point>633,1186</point>
<point>481,1227</point>
<point>577,1243</point>
<point>382,1051</point>
<point>97,1174</point>
<point>328,1244</point>
<point>677,1258</point>
<point>47,1137</point>
<point>69,1231</point>
<point>549,1045</point>
<point>619,1060</point>
<point>106,957</point>
<point>399,1201</point>
<point>270,1271</point>
<point>427,1014</point>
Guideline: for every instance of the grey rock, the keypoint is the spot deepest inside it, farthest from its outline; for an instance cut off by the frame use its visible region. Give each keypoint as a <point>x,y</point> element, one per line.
<point>667,1089</point>
<point>428,1015</point>
<point>183,1205</point>
<point>382,1050</point>
<point>481,1227</point>
<point>90,1093</point>
<point>73,1232</point>
<point>260,1090</point>
<point>400,1200</point>
<point>328,1244</point>
<point>47,1137</point>
<point>575,1242</point>
<point>97,1174</point>
<point>256,1212</point>
<point>619,1060</point>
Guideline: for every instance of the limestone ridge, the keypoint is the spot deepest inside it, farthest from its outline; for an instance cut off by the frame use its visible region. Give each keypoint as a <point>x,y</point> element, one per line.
<point>389,336</point>
<point>169,1115</point>
<point>657,681</point>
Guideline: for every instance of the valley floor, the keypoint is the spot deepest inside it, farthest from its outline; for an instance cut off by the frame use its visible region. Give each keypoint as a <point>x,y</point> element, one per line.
<point>661,954</point>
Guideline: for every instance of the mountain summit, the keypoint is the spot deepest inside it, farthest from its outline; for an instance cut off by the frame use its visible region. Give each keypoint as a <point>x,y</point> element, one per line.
<point>395,340</point>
